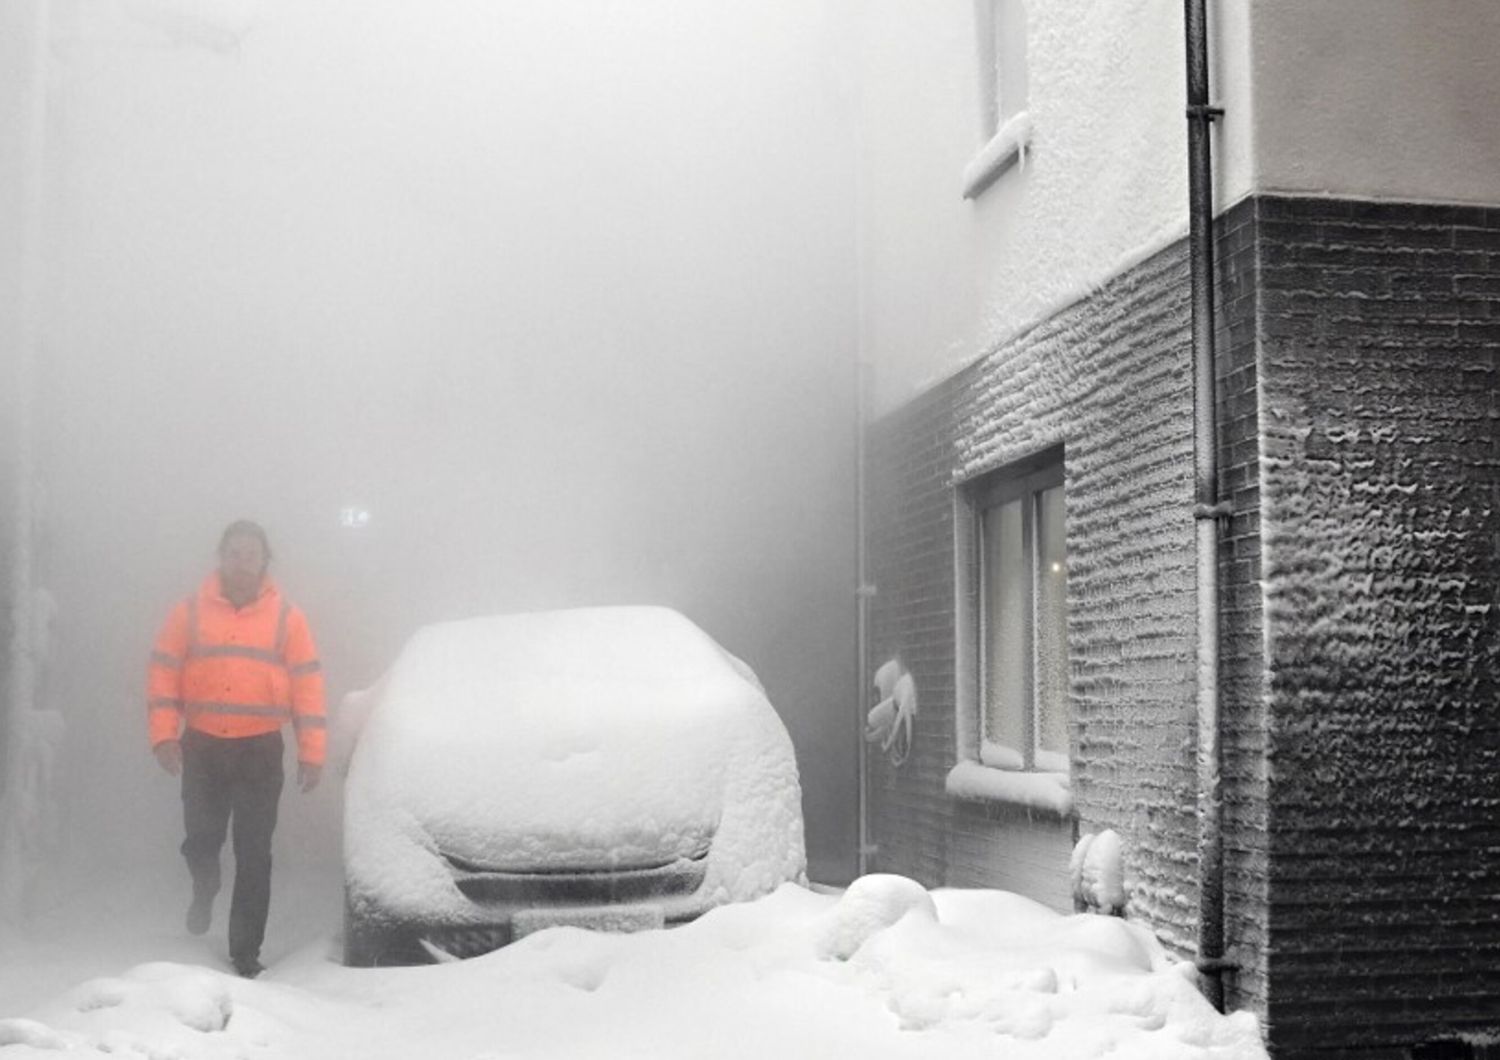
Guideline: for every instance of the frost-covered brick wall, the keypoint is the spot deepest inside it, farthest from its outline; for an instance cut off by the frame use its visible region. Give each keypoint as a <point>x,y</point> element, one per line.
<point>1359,350</point>
<point>1241,630</point>
<point>1380,347</point>
<point>910,541</point>
<point>1110,378</point>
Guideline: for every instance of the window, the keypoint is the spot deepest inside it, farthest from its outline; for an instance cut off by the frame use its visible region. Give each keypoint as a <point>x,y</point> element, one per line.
<point>1023,624</point>
<point>1004,129</point>
<point>1001,26</point>
<point>1013,635</point>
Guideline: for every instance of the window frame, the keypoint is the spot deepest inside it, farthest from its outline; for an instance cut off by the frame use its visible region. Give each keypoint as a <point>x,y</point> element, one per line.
<point>1004,125</point>
<point>972,777</point>
<point>988,497</point>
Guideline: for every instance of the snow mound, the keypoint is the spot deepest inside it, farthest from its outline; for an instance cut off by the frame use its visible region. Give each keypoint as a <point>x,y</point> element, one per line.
<point>30,1032</point>
<point>940,975</point>
<point>1046,984</point>
<point>159,1009</point>
<point>196,998</point>
<point>202,1002</point>
<point>870,905</point>
<point>101,993</point>
<point>1098,872</point>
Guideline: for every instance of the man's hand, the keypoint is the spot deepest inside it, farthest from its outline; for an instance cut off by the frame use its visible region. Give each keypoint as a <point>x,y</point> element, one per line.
<point>169,756</point>
<point>308,775</point>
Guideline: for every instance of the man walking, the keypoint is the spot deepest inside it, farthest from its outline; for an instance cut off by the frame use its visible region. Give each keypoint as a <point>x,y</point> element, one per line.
<point>232,664</point>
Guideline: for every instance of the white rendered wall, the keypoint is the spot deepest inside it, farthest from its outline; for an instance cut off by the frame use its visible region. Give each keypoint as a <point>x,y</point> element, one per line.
<point>1380,99</point>
<point>1103,183</point>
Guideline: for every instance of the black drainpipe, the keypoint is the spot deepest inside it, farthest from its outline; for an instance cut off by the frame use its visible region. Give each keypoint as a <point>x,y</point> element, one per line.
<point>1207,510</point>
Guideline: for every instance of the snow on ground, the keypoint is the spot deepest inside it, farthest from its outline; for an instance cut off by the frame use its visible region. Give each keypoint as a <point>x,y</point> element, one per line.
<point>104,919</point>
<point>886,970</point>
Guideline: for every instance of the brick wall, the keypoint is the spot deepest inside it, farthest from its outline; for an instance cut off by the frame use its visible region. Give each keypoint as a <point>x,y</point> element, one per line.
<point>1380,333</point>
<point>1242,734</point>
<point>1110,378</point>
<point>910,549</point>
<point>1359,350</point>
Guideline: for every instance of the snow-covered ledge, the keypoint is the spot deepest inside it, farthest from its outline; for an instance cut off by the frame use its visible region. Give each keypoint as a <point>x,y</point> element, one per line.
<point>1005,149</point>
<point>1047,792</point>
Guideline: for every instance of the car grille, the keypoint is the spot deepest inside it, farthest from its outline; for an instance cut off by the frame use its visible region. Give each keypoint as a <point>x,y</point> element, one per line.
<point>575,887</point>
<point>467,941</point>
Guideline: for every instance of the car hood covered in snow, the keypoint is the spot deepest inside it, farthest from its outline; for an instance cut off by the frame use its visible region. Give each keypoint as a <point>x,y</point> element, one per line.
<point>607,739</point>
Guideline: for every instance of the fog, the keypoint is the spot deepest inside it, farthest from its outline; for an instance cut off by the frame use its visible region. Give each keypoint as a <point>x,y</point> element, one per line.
<point>559,294</point>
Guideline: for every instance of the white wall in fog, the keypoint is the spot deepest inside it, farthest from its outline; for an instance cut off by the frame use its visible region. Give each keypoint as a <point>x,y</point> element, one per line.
<point>1385,99</point>
<point>560,292</point>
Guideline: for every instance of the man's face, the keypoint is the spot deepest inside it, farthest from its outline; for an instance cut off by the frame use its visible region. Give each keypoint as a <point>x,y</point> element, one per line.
<point>242,564</point>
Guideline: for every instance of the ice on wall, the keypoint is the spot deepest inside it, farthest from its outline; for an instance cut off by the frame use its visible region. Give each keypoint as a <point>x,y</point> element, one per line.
<point>890,723</point>
<point>1097,870</point>
<point>1379,528</point>
<point>942,974</point>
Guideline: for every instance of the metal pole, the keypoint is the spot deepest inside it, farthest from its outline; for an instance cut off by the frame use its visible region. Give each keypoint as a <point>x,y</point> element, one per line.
<point>864,386</point>
<point>1207,508</point>
<point>863,593</point>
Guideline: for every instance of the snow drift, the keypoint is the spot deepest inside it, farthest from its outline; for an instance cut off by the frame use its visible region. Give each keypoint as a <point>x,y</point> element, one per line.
<point>913,974</point>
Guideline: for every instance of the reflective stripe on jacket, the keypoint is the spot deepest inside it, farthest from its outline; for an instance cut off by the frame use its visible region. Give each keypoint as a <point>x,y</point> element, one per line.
<point>234,673</point>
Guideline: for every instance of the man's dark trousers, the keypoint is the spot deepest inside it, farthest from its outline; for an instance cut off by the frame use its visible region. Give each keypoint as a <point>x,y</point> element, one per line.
<point>239,780</point>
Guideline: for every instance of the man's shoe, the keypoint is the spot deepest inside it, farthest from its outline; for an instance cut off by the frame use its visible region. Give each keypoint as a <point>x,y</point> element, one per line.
<point>199,915</point>
<point>248,967</point>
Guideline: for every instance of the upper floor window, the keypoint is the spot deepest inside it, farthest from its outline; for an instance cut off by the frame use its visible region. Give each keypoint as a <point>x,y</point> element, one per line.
<point>1000,28</point>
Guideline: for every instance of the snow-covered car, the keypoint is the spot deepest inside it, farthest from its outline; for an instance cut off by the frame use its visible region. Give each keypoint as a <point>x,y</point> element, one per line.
<point>606,767</point>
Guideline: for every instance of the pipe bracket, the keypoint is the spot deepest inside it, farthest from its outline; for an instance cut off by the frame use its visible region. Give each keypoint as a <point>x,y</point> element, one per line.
<point>1204,112</point>
<point>1222,510</point>
<point>1215,965</point>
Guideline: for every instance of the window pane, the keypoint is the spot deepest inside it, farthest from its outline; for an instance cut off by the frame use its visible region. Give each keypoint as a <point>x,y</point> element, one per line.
<point>1010,58</point>
<point>1006,607</point>
<point>989,67</point>
<point>1051,631</point>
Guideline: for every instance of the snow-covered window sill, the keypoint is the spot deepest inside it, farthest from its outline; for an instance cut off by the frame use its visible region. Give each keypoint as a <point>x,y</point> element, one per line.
<point>1004,150</point>
<point>1042,792</point>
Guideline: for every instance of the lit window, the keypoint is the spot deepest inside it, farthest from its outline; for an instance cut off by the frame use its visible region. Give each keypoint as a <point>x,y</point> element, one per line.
<point>1019,590</point>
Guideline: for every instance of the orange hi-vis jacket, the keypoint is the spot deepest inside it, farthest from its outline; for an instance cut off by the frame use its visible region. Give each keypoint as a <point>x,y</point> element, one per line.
<point>235,673</point>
